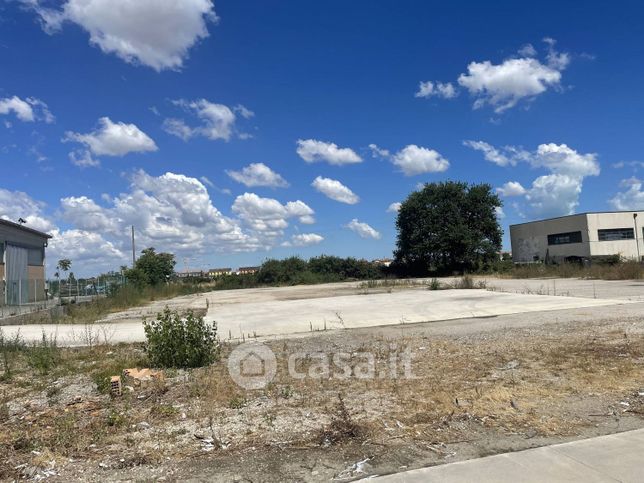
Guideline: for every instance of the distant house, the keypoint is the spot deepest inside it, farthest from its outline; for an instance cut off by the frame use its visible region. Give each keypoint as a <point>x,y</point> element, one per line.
<point>22,264</point>
<point>383,262</point>
<point>219,272</point>
<point>247,270</point>
<point>190,274</point>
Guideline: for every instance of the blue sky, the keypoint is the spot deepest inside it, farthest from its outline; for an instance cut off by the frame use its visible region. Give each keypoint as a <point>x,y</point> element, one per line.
<point>100,100</point>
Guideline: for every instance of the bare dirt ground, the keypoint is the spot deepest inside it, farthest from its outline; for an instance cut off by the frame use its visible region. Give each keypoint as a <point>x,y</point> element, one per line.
<point>480,387</point>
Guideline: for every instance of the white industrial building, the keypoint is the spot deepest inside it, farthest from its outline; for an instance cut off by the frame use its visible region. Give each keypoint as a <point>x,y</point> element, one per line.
<point>585,236</point>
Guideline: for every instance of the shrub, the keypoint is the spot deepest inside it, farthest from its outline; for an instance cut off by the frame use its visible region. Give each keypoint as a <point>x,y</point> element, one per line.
<point>465,282</point>
<point>9,348</point>
<point>44,355</point>
<point>434,284</point>
<point>184,341</point>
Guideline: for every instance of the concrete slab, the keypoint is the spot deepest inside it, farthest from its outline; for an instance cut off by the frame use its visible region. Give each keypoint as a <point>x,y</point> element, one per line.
<point>613,455</point>
<point>612,458</point>
<point>276,316</point>
<point>279,317</point>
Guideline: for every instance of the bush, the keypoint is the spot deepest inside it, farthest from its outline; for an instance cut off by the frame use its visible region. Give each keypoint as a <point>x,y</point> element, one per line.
<point>184,341</point>
<point>9,349</point>
<point>44,355</point>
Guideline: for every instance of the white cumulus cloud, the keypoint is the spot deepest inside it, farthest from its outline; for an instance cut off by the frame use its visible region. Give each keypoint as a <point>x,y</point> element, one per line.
<point>378,152</point>
<point>363,229</point>
<point>217,121</point>
<point>335,190</point>
<point>429,89</point>
<point>27,110</point>
<point>18,204</point>
<point>511,188</point>
<point>304,240</point>
<point>491,153</point>
<point>267,216</point>
<point>632,198</point>
<point>109,139</point>
<point>413,160</point>
<point>561,159</point>
<point>394,207</point>
<point>554,194</point>
<point>503,85</point>
<point>258,174</point>
<point>311,151</point>
<point>155,33</point>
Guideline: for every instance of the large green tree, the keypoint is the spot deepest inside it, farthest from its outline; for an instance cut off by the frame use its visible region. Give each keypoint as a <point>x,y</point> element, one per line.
<point>448,226</point>
<point>151,268</point>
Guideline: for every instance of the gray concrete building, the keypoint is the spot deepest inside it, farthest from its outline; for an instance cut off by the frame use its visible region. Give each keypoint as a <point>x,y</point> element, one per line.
<point>585,236</point>
<point>22,264</point>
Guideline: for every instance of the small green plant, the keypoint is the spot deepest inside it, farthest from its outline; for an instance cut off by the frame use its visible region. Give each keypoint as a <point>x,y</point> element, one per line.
<point>183,341</point>
<point>237,402</point>
<point>115,419</point>
<point>287,392</point>
<point>44,355</point>
<point>434,284</point>
<point>9,349</point>
<point>269,419</point>
<point>163,410</point>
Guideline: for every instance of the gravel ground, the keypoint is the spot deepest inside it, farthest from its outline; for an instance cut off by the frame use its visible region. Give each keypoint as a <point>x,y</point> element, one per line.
<point>483,386</point>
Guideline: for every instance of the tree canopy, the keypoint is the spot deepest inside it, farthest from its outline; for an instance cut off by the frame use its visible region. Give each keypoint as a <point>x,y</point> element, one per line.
<point>448,226</point>
<point>151,268</point>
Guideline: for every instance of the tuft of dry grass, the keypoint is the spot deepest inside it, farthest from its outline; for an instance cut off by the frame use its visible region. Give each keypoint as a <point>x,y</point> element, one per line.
<point>510,382</point>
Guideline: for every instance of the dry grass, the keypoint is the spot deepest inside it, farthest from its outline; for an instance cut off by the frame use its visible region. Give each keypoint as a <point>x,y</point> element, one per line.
<point>618,271</point>
<point>127,297</point>
<point>509,383</point>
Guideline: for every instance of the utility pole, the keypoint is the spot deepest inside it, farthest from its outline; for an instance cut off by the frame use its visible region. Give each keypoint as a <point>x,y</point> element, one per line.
<point>637,242</point>
<point>133,249</point>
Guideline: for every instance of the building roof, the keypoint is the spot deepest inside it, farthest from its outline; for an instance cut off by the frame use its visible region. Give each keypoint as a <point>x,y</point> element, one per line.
<point>578,214</point>
<point>24,228</point>
<point>220,270</point>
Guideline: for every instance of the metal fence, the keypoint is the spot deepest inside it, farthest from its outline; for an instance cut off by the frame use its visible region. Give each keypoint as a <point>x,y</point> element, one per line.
<point>24,292</point>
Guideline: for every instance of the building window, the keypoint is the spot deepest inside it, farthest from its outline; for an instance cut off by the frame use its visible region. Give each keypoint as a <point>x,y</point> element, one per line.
<point>35,257</point>
<point>616,234</point>
<point>564,238</point>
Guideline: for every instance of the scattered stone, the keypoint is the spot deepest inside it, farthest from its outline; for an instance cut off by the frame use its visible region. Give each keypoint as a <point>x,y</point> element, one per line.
<point>530,433</point>
<point>511,365</point>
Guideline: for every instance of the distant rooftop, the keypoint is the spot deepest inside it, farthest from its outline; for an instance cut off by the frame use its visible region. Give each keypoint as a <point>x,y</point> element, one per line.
<point>23,227</point>
<point>578,214</point>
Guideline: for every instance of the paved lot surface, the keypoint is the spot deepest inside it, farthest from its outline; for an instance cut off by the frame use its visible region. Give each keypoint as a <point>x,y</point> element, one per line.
<point>277,312</point>
<point>280,317</point>
<point>613,458</point>
<point>612,289</point>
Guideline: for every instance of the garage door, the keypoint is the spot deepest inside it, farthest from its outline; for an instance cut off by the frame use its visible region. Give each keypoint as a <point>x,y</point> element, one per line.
<point>17,275</point>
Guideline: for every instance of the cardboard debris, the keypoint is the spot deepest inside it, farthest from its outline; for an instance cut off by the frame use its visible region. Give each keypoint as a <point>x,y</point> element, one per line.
<point>143,377</point>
